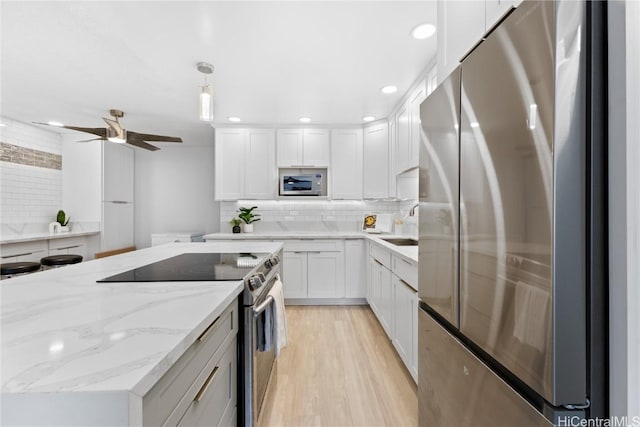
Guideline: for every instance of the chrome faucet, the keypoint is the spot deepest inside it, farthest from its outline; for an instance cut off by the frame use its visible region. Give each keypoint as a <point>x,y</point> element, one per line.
<point>412,211</point>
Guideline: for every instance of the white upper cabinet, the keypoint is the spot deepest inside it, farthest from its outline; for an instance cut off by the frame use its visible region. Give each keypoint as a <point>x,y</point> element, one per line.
<point>408,133</point>
<point>229,162</point>
<point>303,147</point>
<point>260,170</point>
<point>461,24</point>
<point>402,138</point>
<point>496,9</point>
<point>315,147</point>
<point>245,164</point>
<point>346,164</point>
<point>376,161</point>
<point>289,147</point>
<point>117,178</point>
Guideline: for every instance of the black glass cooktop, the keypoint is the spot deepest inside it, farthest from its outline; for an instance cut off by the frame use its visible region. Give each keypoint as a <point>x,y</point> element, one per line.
<point>193,267</point>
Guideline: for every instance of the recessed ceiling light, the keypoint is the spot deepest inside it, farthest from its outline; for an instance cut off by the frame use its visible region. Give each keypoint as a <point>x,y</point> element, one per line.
<point>475,124</point>
<point>389,89</point>
<point>55,124</point>
<point>368,118</point>
<point>234,119</point>
<point>304,119</point>
<point>2,125</point>
<point>423,31</point>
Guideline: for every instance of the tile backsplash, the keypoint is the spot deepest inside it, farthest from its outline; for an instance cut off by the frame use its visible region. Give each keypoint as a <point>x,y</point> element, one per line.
<point>318,215</point>
<point>30,176</point>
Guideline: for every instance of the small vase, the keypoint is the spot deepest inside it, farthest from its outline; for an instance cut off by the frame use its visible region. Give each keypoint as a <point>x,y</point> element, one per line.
<point>65,229</point>
<point>248,228</point>
<point>236,229</point>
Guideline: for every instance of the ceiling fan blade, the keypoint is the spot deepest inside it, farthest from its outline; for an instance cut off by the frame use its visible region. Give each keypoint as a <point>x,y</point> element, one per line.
<point>141,144</point>
<point>101,132</point>
<point>149,137</point>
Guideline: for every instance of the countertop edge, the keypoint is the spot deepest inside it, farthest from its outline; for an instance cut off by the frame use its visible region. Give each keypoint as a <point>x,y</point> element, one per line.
<point>47,236</point>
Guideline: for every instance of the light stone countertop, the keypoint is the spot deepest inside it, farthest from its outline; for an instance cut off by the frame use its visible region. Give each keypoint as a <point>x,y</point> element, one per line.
<point>63,333</point>
<point>408,252</point>
<point>45,236</point>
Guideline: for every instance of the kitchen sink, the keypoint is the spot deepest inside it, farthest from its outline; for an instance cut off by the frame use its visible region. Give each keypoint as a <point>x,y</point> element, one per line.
<point>401,241</point>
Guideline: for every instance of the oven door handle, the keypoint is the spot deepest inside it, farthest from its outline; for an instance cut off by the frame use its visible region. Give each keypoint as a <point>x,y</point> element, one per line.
<point>262,307</point>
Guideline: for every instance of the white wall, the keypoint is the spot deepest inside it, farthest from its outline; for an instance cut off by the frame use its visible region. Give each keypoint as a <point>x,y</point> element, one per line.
<point>174,192</point>
<point>624,206</point>
<point>30,195</point>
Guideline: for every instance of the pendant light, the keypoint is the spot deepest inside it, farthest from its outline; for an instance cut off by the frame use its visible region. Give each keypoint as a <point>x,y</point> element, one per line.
<point>205,106</point>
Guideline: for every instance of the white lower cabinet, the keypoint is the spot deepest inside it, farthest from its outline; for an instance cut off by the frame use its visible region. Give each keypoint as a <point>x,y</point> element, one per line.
<point>392,295</point>
<point>405,310</point>
<point>200,389</point>
<point>24,251</point>
<point>70,246</point>
<point>325,275</point>
<point>314,269</point>
<point>355,268</point>
<point>294,274</point>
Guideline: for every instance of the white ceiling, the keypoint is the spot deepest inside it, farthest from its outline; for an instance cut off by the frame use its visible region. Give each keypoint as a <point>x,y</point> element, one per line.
<point>274,61</point>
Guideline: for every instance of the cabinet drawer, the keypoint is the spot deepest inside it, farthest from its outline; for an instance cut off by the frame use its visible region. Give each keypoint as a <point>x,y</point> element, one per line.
<point>381,254</point>
<point>405,270</point>
<point>68,243</point>
<point>168,394</point>
<point>212,398</point>
<point>313,245</point>
<point>24,251</point>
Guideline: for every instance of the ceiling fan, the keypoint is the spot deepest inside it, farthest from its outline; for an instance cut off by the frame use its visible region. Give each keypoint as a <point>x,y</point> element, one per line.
<point>114,132</point>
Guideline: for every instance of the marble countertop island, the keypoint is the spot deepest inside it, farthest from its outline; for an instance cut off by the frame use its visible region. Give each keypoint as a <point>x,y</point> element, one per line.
<point>65,335</point>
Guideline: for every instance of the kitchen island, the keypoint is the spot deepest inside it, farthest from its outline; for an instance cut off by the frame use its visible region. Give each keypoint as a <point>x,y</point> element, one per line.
<point>77,352</point>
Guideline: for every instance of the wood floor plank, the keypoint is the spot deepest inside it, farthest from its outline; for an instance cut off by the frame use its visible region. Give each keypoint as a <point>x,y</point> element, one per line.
<point>339,369</point>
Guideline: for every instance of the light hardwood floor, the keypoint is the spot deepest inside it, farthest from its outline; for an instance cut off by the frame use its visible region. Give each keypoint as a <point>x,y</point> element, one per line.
<point>339,369</point>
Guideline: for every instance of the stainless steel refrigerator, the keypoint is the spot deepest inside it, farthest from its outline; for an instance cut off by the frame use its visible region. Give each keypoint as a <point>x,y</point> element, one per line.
<point>512,319</point>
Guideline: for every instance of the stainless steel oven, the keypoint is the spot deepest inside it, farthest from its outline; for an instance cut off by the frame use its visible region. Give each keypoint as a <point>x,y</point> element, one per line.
<point>259,367</point>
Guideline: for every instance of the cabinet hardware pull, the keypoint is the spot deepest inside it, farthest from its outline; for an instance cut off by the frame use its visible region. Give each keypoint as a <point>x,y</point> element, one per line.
<point>13,256</point>
<point>203,336</point>
<point>407,285</point>
<point>377,261</point>
<point>68,247</point>
<point>206,385</point>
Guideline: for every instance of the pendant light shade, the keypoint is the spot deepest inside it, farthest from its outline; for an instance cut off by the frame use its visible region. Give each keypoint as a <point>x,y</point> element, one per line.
<point>205,102</point>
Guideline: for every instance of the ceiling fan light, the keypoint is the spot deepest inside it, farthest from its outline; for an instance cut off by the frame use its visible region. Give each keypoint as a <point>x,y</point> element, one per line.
<point>117,137</point>
<point>206,103</point>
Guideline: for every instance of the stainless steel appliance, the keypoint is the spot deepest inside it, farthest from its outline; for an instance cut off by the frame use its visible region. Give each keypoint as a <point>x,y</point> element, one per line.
<point>259,366</point>
<point>511,329</point>
<point>303,182</point>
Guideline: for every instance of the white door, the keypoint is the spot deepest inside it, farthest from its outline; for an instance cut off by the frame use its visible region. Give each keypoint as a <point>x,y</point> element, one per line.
<point>117,226</point>
<point>415,132</point>
<point>346,164</point>
<point>295,275</point>
<point>403,320</point>
<point>402,141</point>
<point>315,147</point>
<point>355,269</point>
<point>386,301</point>
<point>289,147</point>
<point>260,166</point>
<point>117,172</point>
<point>325,275</point>
<point>376,162</point>
<point>229,164</point>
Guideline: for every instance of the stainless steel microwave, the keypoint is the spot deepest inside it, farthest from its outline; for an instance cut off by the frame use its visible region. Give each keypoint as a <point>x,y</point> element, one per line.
<point>303,182</point>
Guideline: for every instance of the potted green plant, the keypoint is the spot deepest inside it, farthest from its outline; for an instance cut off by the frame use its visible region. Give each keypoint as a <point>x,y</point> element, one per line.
<point>248,217</point>
<point>63,220</point>
<point>235,223</point>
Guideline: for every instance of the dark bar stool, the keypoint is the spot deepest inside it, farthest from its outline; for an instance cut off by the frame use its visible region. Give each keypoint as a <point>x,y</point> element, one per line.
<point>11,269</point>
<point>55,261</point>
